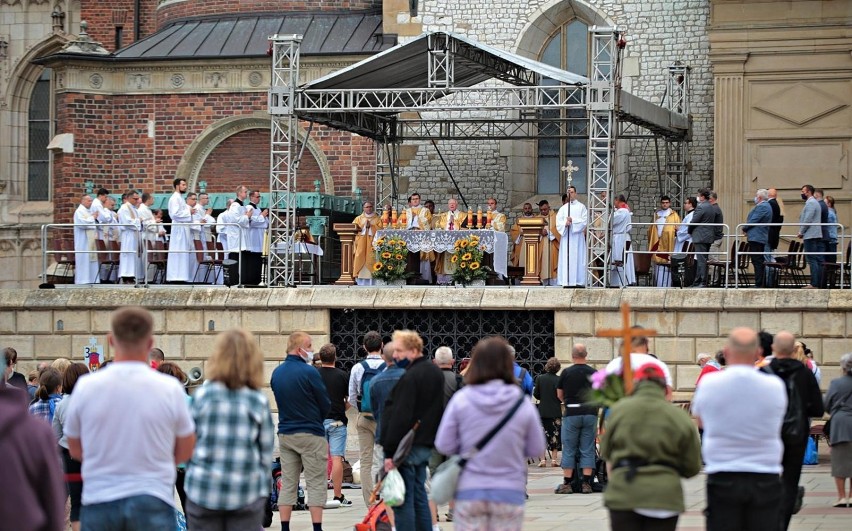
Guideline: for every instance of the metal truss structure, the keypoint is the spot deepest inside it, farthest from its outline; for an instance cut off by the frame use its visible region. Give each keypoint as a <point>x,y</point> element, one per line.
<point>448,96</point>
<point>283,162</point>
<point>677,154</point>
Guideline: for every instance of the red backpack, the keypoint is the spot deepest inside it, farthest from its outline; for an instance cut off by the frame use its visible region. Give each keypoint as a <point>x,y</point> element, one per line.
<point>376,519</point>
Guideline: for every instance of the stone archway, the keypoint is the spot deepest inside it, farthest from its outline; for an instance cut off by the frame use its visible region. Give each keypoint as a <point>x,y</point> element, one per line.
<point>216,133</point>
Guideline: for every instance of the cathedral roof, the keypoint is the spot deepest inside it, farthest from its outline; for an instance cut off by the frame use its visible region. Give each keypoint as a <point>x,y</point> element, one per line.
<point>246,35</point>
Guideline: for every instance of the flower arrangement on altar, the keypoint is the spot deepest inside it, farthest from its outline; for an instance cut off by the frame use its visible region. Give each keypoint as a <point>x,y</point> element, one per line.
<point>467,256</point>
<point>391,258</point>
<point>607,388</point>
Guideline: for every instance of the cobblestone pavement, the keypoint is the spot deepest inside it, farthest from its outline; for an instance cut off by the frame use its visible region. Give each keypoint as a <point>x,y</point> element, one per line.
<point>548,511</point>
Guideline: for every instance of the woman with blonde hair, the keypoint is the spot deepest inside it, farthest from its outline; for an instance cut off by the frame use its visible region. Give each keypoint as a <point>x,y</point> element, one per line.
<point>227,478</point>
<point>61,365</point>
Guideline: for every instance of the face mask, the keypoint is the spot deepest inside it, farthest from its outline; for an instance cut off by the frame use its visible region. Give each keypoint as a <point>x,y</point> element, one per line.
<point>309,354</point>
<point>403,363</point>
<point>755,200</point>
<point>804,197</point>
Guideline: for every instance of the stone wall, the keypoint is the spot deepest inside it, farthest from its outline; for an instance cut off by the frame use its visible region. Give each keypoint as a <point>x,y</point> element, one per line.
<point>46,324</point>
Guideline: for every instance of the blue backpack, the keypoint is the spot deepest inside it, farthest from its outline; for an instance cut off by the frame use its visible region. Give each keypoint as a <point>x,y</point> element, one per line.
<point>364,393</point>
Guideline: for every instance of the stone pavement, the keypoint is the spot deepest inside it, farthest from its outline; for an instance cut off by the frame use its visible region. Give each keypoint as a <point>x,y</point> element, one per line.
<point>547,511</point>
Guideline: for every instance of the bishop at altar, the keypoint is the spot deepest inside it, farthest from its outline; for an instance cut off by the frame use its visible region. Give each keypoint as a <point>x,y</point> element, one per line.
<point>453,219</point>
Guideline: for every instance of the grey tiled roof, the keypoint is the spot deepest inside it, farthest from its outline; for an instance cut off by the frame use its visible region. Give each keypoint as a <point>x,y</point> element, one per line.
<point>245,35</point>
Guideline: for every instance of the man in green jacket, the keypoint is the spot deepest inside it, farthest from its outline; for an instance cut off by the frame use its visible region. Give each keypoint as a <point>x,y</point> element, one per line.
<point>649,444</point>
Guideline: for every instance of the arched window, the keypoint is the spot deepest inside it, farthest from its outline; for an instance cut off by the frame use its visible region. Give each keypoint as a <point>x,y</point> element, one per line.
<point>40,129</point>
<point>568,49</point>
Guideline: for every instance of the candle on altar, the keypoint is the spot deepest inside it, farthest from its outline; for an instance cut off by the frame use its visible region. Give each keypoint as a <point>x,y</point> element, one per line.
<point>469,218</point>
<point>385,216</point>
<point>479,217</point>
<point>403,219</point>
<point>489,217</point>
<point>393,216</point>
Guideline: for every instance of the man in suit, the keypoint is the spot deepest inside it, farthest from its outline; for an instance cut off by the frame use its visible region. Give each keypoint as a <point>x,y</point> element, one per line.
<point>703,235</point>
<point>758,233</point>
<point>811,234</point>
<point>777,217</point>
<point>718,219</point>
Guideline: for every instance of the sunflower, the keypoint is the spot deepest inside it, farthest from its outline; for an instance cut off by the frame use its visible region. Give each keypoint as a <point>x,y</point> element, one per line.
<point>474,241</point>
<point>398,257</point>
<point>466,256</point>
<point>454,259</point>
<point>380,241</point>
<point>402,243</point>
<point>392,242</point>
<point>463,244</point>
<point>462,265</point>
<point>386,255</point>
<point>474,266</point>
<point>378,266</point>
<point>390,267</point>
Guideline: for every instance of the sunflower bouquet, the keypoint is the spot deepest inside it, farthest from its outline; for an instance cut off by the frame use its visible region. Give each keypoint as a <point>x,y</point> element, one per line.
<point>391,259</point>
<point>467,257</point>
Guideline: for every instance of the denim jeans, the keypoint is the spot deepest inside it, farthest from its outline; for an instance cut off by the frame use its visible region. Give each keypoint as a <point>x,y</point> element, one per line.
<point>743,501</point>
<point>141,513</point>
<point>414,513</point>
<point>814,245</point>
<point>578,436</point>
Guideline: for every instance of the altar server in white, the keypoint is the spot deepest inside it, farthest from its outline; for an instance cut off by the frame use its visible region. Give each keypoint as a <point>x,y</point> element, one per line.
<point>622,272</point>
<point>177,265</point>
<point>237,236</point>
<point>571,221</point>
<point>146,216</point>
<point>221,234</point>
<point>99,211</point>
<point>85,261</point>
<point>258,223</point>
<point>129,226</point>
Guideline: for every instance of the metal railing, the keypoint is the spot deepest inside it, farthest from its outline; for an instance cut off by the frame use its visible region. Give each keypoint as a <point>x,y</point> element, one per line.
<point>724,250</point>
<point>839,253</point>
<point>141,245</point>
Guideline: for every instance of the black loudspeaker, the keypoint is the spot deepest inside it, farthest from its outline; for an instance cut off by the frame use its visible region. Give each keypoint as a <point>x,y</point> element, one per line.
<point>251,268</point>
<point>683,274</point>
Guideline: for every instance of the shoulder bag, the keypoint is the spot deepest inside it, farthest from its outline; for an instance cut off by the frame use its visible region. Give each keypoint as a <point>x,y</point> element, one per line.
<point>446,479</point>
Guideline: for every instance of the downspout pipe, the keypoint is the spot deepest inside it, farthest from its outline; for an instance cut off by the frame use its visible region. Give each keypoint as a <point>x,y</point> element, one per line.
<point>137,26</point>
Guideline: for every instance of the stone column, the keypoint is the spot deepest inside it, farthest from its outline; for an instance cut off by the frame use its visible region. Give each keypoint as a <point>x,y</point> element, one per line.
<point>729,179</point>
<point>531,231</point>
<point>346,231</point>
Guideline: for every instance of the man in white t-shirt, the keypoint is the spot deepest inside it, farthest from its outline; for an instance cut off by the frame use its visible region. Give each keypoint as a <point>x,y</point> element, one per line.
<point>129,425</point>
<point>741,410</point>
<point>639,356</point>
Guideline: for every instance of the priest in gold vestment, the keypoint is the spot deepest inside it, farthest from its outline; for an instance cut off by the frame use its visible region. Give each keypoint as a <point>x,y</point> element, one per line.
<point>661,239</point>
<point>548,249</point>
<point>419,218</point>
<point>453,219</point>
<point>368,224</point>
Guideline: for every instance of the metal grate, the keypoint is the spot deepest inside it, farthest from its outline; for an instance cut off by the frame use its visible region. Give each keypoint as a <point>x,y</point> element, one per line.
<point>530,332</point>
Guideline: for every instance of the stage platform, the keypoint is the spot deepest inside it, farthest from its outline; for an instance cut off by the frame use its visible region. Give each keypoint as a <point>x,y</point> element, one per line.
<point>540,322</point>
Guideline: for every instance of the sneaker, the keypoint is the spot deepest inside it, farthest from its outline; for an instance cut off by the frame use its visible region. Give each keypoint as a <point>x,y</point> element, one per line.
<point>449,515</point>
<point>587,489</point>
<point>564,489</point>
<point>343,501</point>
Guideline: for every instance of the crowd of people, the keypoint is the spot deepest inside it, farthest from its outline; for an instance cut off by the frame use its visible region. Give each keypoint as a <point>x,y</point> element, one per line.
<point>129,434</point>
<point>240,229</point>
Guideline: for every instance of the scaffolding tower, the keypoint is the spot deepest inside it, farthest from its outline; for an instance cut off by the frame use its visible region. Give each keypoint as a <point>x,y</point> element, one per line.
<point>283,160</point>
<point>676,152</point>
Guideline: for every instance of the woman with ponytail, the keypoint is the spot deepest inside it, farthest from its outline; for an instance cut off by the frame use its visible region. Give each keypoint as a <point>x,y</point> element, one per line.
<point>73,478</point>
<point>48,395</point>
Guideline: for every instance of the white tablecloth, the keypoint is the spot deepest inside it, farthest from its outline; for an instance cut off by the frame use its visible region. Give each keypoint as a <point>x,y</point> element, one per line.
<point>442,241</point>
<point>301,248</point>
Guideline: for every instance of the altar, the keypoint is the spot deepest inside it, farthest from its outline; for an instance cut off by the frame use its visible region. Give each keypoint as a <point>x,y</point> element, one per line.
<point>495,243</point>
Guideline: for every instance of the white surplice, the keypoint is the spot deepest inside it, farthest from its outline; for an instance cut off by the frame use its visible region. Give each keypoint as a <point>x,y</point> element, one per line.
<point>258,223</point>
<point>178,263</point>
<point>85,261</point>
<point>236,236</point>
<point>682,233</point>
<point>571,269</point>
<point>624,274</point>
<point>149,226</point>
<point>101,215</point>
<point>129,228</point>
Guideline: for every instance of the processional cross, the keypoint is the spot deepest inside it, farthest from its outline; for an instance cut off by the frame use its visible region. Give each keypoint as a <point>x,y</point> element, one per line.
<point>627,334</point>
<point>569,169</point>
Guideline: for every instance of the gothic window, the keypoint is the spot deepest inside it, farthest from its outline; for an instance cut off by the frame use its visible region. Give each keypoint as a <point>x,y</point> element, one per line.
<point>568,49</point>
<point>39,134</point>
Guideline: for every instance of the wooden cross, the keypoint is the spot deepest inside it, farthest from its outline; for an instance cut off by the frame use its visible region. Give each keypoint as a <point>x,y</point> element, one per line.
<point>626,333</point>
<point>569,168</point>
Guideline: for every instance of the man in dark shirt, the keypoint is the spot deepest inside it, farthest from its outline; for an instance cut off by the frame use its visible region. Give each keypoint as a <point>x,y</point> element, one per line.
<point>414,399</point>
<point>337,384</point>
<point>302,406</point>
<point>579,422</point>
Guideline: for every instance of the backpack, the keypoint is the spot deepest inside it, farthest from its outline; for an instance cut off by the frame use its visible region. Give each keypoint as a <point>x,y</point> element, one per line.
<point>520,380</point>
<point>364,392</point>
<point>794,428</point>
<point>376,519</point>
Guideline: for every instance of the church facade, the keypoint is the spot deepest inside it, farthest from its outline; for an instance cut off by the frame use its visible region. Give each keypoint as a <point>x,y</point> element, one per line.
<point>178,88</point>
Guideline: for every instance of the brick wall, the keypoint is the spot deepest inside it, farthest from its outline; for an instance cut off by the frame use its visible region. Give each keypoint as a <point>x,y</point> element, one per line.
<point>194,8</point>
<point>112,147</point>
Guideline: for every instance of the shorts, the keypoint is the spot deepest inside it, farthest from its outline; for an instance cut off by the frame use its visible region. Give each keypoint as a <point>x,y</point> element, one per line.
<point>335,434</point>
